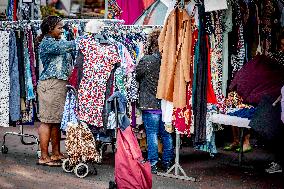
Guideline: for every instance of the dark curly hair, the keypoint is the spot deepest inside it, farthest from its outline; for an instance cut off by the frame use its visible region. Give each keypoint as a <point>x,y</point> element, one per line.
<point>47,25</point>
<point>152,45</point>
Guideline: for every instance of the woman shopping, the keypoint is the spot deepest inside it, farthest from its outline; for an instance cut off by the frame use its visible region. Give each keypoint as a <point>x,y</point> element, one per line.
<point>56,59</point>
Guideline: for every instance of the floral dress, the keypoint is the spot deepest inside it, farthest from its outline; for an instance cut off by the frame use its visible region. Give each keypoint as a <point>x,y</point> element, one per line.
<point>98,63</point>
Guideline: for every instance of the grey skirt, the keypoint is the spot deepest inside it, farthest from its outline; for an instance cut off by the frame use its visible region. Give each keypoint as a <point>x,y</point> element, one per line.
<point>51,99</point>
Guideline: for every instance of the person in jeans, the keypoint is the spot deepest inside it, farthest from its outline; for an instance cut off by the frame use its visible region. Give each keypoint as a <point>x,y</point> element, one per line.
<point>148,70</point>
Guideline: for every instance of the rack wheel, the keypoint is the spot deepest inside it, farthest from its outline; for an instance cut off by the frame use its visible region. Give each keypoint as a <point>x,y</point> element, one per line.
<point>66,166</point>
<point>4,149</point>
<point>38,153</point>
<point>81,170</point>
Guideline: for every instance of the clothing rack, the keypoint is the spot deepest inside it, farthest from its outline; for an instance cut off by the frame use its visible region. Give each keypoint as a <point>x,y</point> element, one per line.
<point>24,23</point>
<point>68,20</point>
<point>176,167</point>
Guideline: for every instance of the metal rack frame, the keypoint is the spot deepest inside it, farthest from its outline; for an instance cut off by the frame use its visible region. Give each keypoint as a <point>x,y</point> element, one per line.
<point>4,148</point>
<point>176,167</point>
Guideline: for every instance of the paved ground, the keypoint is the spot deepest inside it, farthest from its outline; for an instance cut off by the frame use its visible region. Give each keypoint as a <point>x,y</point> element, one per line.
<point>18,169</point>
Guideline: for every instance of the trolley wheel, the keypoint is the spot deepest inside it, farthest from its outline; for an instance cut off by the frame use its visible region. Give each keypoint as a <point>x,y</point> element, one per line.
<point>4,149</point>
<point>66,166</point>
<point>81,170</point>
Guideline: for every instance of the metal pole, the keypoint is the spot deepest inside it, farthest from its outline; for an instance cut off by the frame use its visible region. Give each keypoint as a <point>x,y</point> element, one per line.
<point>32,10</point>
<point>176,167</point>
<point>177,152</point>
<point>106,9</point>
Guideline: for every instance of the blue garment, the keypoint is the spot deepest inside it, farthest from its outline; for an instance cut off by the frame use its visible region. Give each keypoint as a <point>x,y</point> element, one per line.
<point>244,113</point>
<point>123,120</point>
<point>56,58</point>
<point>154,125</point>
<point>28,73</point>
<point>14,99</point>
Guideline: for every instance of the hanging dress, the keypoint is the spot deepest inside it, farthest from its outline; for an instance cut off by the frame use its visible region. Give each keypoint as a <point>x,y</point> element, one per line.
<point>98,62</point>
<point>4,79</point>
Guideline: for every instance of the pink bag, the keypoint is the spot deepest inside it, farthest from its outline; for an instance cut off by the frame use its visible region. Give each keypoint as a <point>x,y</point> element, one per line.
<point>131,171</point>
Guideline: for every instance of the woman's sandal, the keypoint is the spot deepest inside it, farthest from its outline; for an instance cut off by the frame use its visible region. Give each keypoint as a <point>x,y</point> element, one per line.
<point>57,158</point>
<point>249,149</point>
<point>231,147</point>
<point>50,163</point>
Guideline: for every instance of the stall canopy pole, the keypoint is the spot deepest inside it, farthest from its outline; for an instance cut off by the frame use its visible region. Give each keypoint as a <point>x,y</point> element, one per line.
<point>32,10</point>
<point>106,9</point>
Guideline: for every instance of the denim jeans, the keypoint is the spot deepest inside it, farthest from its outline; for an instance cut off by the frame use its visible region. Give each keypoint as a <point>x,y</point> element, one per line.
<point>154,127</point>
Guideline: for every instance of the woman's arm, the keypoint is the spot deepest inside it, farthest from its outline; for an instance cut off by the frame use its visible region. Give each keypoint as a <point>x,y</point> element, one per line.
<point>53,46</point>
<point>141,69</point>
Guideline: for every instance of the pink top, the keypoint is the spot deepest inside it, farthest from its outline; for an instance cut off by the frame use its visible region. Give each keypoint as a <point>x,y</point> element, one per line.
<point>132,9</point>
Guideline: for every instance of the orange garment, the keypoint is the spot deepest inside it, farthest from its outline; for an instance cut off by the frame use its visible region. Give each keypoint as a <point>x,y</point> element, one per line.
<point>175,43</point>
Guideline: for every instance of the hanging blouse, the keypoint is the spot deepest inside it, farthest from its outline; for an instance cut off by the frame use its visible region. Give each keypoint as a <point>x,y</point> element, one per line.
<point>4,79</point>
<point>98,63</point>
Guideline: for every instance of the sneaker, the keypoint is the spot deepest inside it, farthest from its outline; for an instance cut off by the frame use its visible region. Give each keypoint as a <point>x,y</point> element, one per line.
<point>167,166</point>
<point>154,169</point>
<point>274,168</point>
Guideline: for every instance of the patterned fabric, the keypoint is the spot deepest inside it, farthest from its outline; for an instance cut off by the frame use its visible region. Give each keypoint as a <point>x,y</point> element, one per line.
<point>99,60</point>
<point>233,100</point>
<point>70,111</point>
<point>278,57</point>
<point>237,59</point>
<point>148,70</point>
<point>216,41</point>
<point>26,10</point>
<point>228,25</point>
<point>120,80</point>
<point>27,112</point>
<point>114,10</point>
<point>183,118</point>
<point>80,144</point>
<point>269,21</point>
<point>56,58</point>
<point>4,79</point>
<point>132,93</point>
